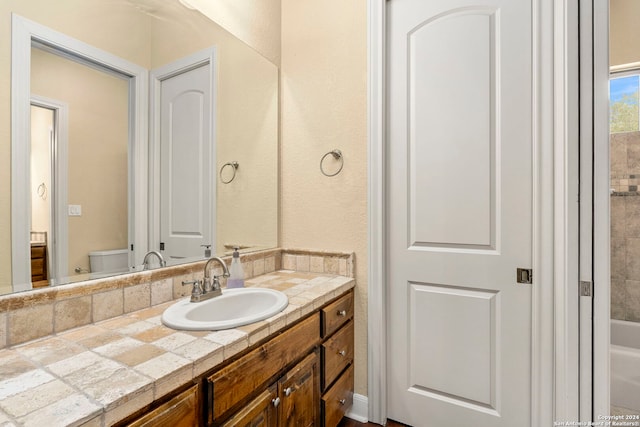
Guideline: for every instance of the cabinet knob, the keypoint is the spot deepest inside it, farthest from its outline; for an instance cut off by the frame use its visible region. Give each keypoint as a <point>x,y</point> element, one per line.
<point>342,313</point>
<point>342,353</point>
<point>342,401</point>
<point>288,391</point>
<point>276,401</point>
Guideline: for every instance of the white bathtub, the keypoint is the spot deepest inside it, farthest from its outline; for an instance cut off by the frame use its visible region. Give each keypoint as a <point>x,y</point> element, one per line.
<point>625,364</point>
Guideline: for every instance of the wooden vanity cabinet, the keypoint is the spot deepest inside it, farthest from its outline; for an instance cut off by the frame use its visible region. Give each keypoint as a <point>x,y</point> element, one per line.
<point>231,386</point>
<point>183,410</point>
<point>38,263</point>
<point>260,412</point>
<point>300,377</point>
<point>337,354</point>
<point>299,394</point>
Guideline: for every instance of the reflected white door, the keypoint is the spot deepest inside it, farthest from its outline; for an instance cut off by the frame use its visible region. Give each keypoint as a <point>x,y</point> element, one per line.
<point>459,212</point>
<point>187,181</point>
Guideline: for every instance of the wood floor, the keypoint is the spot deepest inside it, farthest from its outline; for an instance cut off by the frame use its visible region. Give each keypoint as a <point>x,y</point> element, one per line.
<point>347,422</point>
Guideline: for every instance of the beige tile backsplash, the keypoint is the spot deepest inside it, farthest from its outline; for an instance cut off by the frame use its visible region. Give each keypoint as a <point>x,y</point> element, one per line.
<point>42,312</point>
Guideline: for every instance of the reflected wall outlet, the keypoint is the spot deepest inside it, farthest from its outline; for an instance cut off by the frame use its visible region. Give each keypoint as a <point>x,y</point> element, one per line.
<point>75,210</point>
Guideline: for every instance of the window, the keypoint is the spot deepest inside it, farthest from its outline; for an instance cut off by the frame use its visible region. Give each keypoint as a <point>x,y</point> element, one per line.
<point>623,103</point>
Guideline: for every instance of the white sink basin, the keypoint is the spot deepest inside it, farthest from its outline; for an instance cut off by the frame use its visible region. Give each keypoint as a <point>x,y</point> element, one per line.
<point>235,307</point>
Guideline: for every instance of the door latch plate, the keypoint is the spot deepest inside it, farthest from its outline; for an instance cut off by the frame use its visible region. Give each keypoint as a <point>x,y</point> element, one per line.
<point>585,288</point>
<point>525,275</point>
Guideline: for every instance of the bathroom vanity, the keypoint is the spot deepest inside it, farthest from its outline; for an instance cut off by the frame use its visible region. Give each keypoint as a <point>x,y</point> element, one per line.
<point>300,376</point>
<point>132,370</point>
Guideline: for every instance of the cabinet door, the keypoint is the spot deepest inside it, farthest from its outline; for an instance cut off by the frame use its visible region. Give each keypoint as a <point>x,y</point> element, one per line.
<point>181,411</point>
<point>300,394</point>
<point>231,385</point>
<point>260,412</point>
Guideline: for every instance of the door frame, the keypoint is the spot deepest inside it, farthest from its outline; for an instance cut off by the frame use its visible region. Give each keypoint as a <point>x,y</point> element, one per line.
<point>59,238</point>
<point>23,33</point>
<point>555,251</point>
<point>182,65</point>
<point>601,212</point>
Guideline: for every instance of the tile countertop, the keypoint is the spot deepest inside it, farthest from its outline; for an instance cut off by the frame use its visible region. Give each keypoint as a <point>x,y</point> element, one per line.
<point>98,374</point>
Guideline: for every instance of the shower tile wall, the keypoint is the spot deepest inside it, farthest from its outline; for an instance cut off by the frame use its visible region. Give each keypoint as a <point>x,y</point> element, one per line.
<point>625,226</point>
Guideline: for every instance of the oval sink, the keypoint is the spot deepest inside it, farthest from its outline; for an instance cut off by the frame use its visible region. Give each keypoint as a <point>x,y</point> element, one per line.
<point>235,307</point>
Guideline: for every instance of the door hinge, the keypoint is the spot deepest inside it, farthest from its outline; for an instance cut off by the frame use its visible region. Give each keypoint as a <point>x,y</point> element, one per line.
<point>162,246</point>
<point>525,275</point>
<point>586,288</point>
<point>132,247</point>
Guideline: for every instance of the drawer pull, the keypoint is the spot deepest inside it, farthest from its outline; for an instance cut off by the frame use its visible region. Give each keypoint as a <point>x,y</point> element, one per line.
<point>342,353</point>
<point>342,313</point>
<point>342,401</point>
<point>276,402</point>
<point>288,391</point>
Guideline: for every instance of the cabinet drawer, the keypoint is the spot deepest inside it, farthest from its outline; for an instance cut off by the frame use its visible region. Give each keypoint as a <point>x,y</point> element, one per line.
<point>336,314</point>
<point>338,399</point>
<point>238,380</point>
<point>37,251</point>
<point>337,353</point>
<point>181,411</point>
<point>37,267</point>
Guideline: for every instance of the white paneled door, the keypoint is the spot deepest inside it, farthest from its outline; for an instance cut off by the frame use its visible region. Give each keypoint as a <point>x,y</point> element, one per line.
<point>459,171</point>
<point>187,185</point>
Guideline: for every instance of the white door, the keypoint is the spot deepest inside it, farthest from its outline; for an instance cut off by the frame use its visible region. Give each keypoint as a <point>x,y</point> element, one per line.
<point>187,184</point>
<point>459,171</point>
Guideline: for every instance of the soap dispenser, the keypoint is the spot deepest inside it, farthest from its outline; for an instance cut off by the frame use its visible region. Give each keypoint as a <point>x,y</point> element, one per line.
<point>236,274</point>
<point>207,250</point>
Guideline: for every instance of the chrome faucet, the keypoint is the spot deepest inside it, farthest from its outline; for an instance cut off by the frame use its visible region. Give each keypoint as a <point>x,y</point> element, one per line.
<point>207,288</point>
<point>145,261</point>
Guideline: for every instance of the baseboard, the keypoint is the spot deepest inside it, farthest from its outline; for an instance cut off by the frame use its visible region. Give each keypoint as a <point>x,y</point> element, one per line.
<point>360,409</point>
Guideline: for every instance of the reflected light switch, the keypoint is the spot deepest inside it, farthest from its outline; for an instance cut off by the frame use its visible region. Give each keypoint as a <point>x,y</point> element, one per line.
<point>75,210</point>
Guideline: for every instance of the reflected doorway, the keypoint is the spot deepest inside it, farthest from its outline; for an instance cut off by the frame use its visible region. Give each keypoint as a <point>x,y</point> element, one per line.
<point>43,149</point>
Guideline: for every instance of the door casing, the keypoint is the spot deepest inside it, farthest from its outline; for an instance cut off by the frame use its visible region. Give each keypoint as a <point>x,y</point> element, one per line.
<point>195,60</point>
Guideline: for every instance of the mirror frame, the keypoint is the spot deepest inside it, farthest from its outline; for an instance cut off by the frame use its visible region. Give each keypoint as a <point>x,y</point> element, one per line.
<point>24,33</point>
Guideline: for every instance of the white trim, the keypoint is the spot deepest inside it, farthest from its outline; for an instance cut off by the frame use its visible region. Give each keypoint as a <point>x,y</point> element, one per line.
<point>182,65</point>
<point>586,207</point>
<point>632,66</point>
<point>24,32</point>
<point>377,314</point>
<point>20,154</point>
<point>601,214</point>
<point>566,214</point>
<point>359,409</point>
<point>542,405</point>
<point>59,239</point>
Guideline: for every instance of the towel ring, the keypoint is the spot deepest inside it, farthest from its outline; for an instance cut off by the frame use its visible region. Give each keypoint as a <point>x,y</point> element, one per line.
<point>42,191</point>
<point>234,165</point>
<point>337,154</point>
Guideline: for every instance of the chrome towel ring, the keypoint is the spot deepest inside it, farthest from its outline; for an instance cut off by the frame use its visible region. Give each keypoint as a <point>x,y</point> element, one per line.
<point>337,155</point>
<point>234,166</point>
<point>42,191</point>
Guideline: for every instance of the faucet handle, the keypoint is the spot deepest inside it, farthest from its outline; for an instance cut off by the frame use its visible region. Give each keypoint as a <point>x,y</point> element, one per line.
<point>215,286</point>
<point>196,291</point>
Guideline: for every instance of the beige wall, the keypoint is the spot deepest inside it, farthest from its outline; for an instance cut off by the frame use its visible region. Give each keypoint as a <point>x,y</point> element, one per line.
<point>624,31</point>
<point>324,106</point>
<point>257,23</point>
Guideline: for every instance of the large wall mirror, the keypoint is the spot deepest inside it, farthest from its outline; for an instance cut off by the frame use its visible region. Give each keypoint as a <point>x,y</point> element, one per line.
<point>136,126</point>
